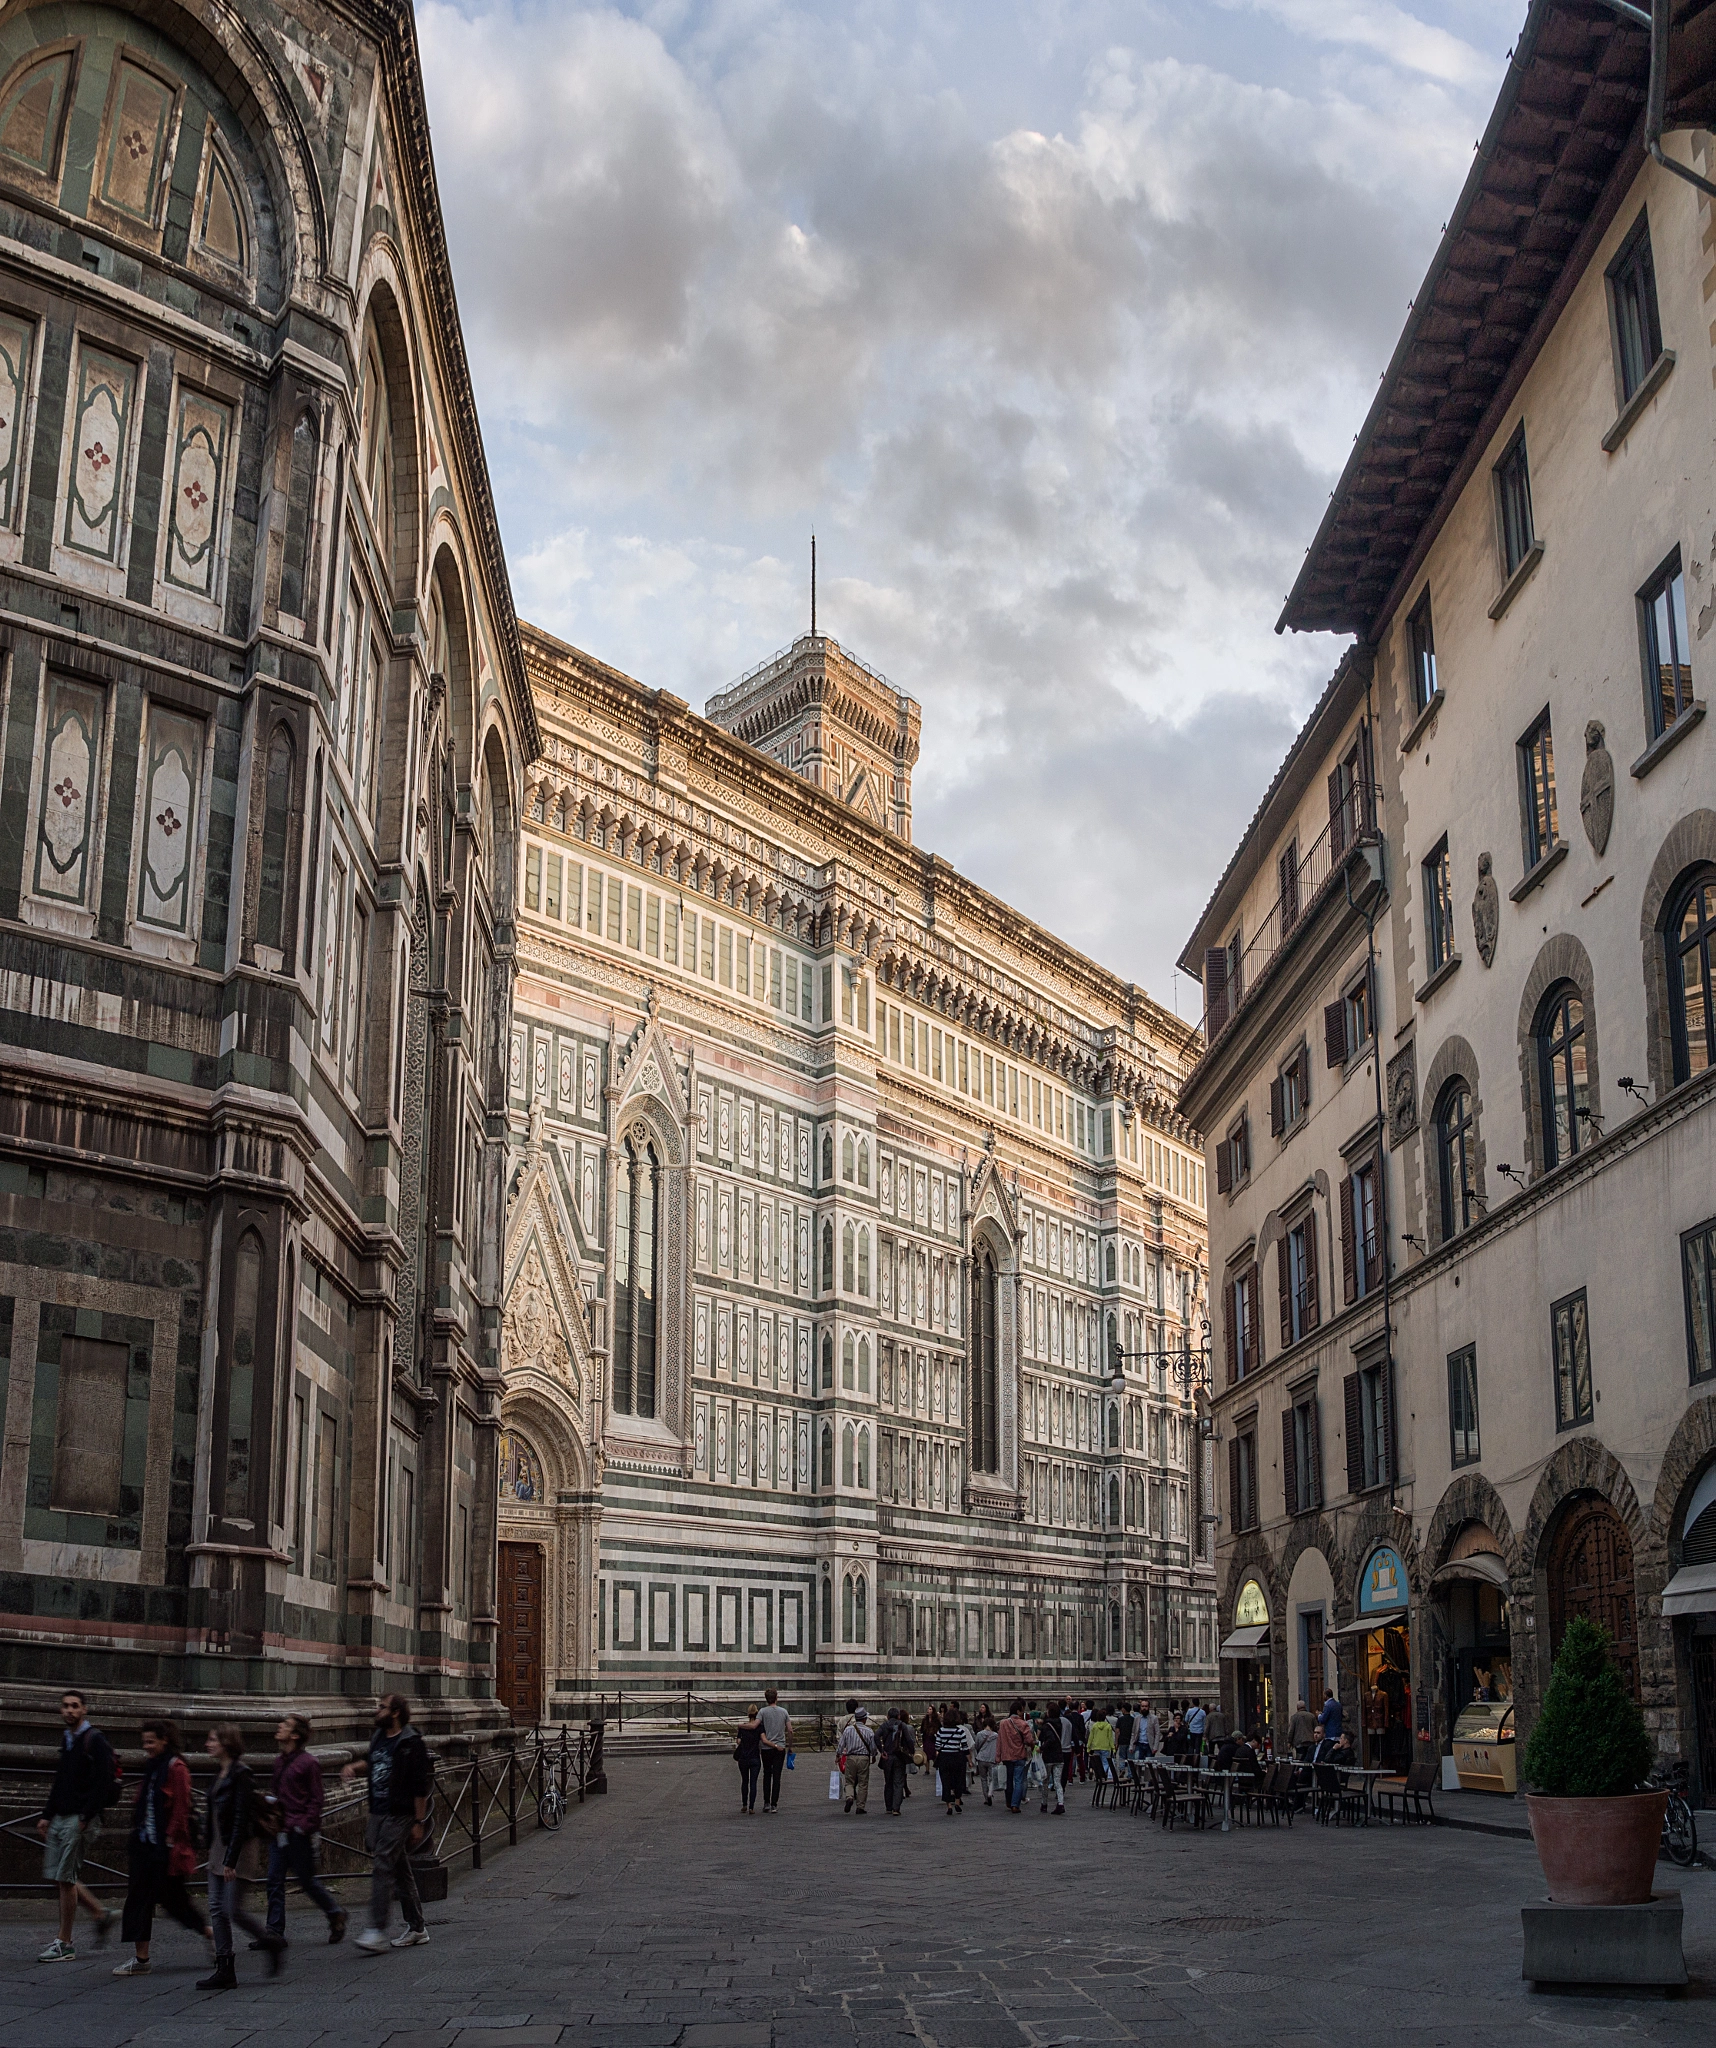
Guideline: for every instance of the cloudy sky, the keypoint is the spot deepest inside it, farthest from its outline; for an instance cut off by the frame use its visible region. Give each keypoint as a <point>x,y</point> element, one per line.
<point>1055,318</point>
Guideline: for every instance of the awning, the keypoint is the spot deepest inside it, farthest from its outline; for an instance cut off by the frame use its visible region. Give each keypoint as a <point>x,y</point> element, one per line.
<point>1692,1590</point>
<point>1483,1566</point>
<point>1368,1624</point>
<point>1246,1642</point>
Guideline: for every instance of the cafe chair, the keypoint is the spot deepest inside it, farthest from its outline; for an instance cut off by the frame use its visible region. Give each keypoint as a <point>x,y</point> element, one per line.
<point>1186,1799</point>
<point>1414,1799</point>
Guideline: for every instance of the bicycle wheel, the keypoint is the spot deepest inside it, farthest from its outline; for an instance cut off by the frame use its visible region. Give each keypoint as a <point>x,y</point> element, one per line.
<point>1680,1833</point>
<point>549,1809</point>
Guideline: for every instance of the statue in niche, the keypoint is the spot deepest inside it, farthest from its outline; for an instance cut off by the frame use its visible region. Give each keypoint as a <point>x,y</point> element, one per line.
<point>1597,790</point>
<point>1486,910</point>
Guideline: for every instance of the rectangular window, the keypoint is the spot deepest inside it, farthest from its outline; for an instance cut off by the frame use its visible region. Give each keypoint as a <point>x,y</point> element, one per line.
<point>742,963</point>
<point>964,1077</point>
<point>1537,791</point>
<point>1666,647</point>
<point>1463,1406</point>
<point>634,919</point>
<point>726,956</point>
<point>670,916</point>
<point>1632,305</point>
<point>894,1035</point>
<point>1290,1094</point>
<point>1373,1424</point>
<point>911,1038</point>
<point>1303,1466</point>
<point>1242,1481</point>
<point>652,927</point>
<point>614,909</point>
<point>1698,1272</point>
<point>806,996</point>
<point>551,889</point>
<point>1367,1247</point>
<point>935,1055</point>
<point>1570,1327</point>
<point>1421,652</point>
<point>1299,1303</point>
<point>594,904</point>
<point>864,1006</point>
<point>327,1486</point>
<point>533,878</point>
<point>775,976</point>
<point>792,987</point>
<point>708,949</point>
<point>574,893</point>
<point>1438,909</point>
<point>1513,503</point>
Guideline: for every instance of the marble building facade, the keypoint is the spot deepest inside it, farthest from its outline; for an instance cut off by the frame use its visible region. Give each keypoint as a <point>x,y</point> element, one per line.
<point>835,1186</point>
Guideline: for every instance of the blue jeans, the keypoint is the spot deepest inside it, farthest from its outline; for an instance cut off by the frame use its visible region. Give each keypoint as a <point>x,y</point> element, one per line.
<point>1016,1773</point>
<point>297,1857</point>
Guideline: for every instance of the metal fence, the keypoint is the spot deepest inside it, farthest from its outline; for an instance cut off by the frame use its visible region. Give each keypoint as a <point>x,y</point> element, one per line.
<point>480,1798</point>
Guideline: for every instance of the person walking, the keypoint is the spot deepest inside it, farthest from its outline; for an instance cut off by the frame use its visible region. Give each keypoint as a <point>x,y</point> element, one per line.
<point>85,1786</point>
<point>777,1741</point>
<point>1101,1744</point>
<point>401,1777</point>
<point>896,1745</point>
<point>295,1814</point>
<point>232,1810</point>
<point>1013,1747</point>
<point>857,1749</point>
<point>1195,1718</point>
<point>1301,1730</point>
<point>953,1745</point>
<point>928,1728</point>
<point>160,1854</point>
<point>1329,1719</point>
<point>1149,1730</point>
<point>1052,1746</point>
<point>985,1752</point>
<point>748,1755</point>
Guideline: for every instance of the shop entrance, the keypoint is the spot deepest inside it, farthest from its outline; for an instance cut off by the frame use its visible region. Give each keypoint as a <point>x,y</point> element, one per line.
<point>1385,1675</point>
<point>518,1674</point>
<point>1591,1573</point>
<point>1247,1649</point>
<point>1253,1697</point>
<point>1704,1709</point>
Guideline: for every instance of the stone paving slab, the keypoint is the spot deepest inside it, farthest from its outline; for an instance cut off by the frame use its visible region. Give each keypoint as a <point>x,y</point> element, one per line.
<point>656,1918</point>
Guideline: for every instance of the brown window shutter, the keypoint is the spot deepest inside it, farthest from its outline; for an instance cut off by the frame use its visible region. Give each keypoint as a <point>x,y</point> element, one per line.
<point>1337,818</point>
<point>1316,1459</point>
<point>1355,1434</point>
<point>1335,1033</point>
<point>1385,1420</point>
<point>1215,988</point>
<point>1366,806</point>
<point>1275,1107</point>
<point>1254,1322</point>
<point>1229,1324</point>
<point>1283,1280</point>
<point>1313,1313</point>
<point>1224,1168</point>
<point>1304,1080</point>
<point>1289,1463</point>
<point>1244,1144</point>
<point>1349,1260</point>
<point>1235,1506</point>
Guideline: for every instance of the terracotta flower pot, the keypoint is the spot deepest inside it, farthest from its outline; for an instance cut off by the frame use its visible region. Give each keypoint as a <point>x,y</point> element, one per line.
<point>1598,1852</point>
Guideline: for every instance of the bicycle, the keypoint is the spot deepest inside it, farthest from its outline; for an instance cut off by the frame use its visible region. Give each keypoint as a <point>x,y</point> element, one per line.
<point>551,1805</point>
<point>1679,1829</point>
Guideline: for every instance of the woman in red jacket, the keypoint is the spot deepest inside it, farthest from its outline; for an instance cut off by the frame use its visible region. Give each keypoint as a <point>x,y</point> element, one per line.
<point>161,1852</point>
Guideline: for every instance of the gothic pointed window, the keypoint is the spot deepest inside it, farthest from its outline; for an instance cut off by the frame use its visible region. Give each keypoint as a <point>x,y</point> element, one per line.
<point>985,1444</point>
<point>1563,1081</point>
<point>636,1276</point>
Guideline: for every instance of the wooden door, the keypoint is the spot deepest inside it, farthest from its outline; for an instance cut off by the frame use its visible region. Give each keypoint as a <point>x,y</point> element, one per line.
<point>518,1677</point>
<point>1591,1573</point>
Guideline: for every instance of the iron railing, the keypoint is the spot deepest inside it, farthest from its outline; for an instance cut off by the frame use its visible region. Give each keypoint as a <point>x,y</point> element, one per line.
<point>1357,821</point>
<point>479,1796</point>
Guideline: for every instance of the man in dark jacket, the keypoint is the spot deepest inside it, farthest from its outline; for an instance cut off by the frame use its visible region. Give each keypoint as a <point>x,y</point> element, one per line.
<point>295,1810</point>
<point>1052,1744</point>
<point>401,1777</point>
<point>84,1788</point>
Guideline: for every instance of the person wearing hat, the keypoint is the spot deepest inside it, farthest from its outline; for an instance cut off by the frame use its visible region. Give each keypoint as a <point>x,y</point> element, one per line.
<point>857,1750</point>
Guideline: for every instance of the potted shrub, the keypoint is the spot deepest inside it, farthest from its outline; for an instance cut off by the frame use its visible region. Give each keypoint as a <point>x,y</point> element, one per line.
<point>1597,1833</point>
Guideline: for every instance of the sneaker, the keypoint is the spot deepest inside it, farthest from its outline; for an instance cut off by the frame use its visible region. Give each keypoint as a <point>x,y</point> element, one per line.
<point>58,1952</point>
<point>371,1942</point>
<point>135,1967</point>
<point>411,1937</point>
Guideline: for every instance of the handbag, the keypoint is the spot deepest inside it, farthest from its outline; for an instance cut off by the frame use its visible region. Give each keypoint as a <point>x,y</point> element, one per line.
<point>834,1784</point>
<point>789,1759</point>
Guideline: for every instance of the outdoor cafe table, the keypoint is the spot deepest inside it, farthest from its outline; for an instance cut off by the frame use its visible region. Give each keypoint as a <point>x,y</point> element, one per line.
<point>1354,1771</point>
<point>1227,1778</point>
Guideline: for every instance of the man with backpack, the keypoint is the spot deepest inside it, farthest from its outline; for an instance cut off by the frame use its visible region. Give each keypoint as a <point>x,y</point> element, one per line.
<point>86,1783</point>
<point>898,1747</point>
<point>1053,1740</point>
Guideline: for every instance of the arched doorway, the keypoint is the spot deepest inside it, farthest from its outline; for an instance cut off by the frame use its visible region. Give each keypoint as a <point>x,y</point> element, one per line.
<point>1591,1573</point>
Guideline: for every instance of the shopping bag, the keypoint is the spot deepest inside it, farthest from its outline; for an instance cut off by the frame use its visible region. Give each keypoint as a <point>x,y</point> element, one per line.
<point>834,1784</point>
<point>790,1755</point>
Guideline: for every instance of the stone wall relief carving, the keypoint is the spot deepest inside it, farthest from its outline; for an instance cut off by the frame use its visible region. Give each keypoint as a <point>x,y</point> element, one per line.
<point>1597,788</point>
<point>1486,911</point>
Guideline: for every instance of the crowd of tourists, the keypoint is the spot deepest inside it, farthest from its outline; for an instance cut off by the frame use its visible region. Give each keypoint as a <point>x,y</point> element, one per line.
<point>1031,1750</point>
<point>243,1830</point>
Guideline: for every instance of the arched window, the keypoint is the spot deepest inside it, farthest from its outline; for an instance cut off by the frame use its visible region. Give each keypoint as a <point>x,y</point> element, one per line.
<point>276,827</point>
<point>828,1610</point>
<point>985,1443</point>
<point>864,1262</point>
<point>863,1163</point>
<point>863,1465</point>
<point>1114,1361</point>
<point>860,1608</point>
<point>848,1358</point>
<point>827,1157</point>
<point>1561,1073</point>
<point>377,447</point>
<point>1113,1426</point>
<point>828,1361</point>
<point>827,1456</point>
<point>1456,1153</point>
<point>846,1606</point>
<point>636,1287</point>
<point>828,1258</point>
<point>863,1365</point>
<point>295,557</point>
<point>848,1158</point>
<point>848,1446</point>
<point>1690,936</point>
<point>241,1377</point>
<point>848,1241</point>
<point>1108,1265</point>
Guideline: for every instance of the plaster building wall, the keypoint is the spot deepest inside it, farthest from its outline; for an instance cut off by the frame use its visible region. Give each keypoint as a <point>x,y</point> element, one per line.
<point>262,712</point>
<point>915,1169</point>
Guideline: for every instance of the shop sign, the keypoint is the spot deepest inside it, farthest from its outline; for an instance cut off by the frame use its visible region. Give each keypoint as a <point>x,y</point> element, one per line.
<point>1251,1610</point>
<point>1384,1582</point>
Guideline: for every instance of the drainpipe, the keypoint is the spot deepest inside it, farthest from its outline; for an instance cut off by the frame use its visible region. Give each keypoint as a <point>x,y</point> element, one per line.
<point>1655,22</point>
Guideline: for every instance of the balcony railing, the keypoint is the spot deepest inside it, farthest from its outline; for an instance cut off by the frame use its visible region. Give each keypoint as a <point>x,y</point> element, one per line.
<point>1357,821</point>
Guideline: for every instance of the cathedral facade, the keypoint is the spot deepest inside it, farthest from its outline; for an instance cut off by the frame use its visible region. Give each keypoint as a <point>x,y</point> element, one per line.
<point>855,1273</point>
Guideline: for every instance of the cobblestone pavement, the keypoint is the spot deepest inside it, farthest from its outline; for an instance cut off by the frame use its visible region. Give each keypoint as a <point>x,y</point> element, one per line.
<point>657,1918</point>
